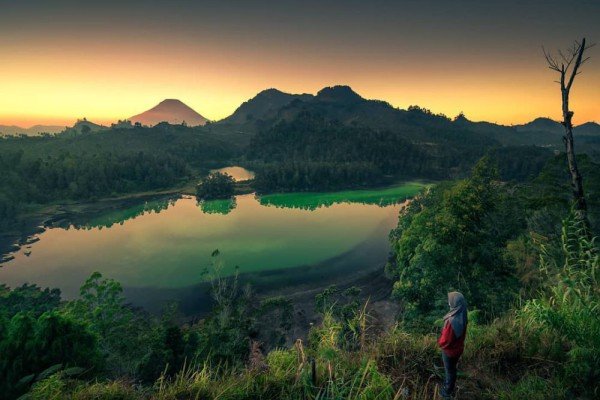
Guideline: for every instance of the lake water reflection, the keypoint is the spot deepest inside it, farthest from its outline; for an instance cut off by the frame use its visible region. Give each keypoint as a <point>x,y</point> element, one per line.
<point>237,173</point>
<point>166,245</point>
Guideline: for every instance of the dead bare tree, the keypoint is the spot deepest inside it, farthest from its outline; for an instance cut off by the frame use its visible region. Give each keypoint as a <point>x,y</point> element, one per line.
<point>568,66</point>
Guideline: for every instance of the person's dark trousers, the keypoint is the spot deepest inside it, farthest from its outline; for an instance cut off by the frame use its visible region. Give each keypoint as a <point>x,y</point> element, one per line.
<point>450,381</point>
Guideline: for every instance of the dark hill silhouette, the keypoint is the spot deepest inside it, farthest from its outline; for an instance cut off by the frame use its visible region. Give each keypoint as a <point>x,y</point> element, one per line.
<point>539,132</point>
<point>341,103</point>
<point>83,126</point>
<point>172,111</point>
<point>264,105</point>
<point>588,129</point>
<point>509,135</point>
<point>339,93</point>
<point>541,125</point>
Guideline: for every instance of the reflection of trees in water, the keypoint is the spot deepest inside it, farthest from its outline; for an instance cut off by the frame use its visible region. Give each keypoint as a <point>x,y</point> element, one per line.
<point>313,203</point>
<point>224,206</point>
<point>119,216</point>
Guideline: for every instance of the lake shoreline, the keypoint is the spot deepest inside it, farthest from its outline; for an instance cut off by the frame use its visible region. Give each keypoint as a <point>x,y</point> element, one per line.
<point>36,219</point>
<point>360,266</point>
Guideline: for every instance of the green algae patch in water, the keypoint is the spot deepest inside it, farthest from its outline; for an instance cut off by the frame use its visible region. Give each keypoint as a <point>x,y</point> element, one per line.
<point>313,200</point>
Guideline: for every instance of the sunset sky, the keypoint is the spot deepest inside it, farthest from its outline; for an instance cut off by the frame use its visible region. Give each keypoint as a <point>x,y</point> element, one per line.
<point>63,60</point>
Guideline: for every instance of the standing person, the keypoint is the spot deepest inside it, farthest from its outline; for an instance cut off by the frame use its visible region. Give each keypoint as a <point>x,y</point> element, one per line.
<point>452,340</point>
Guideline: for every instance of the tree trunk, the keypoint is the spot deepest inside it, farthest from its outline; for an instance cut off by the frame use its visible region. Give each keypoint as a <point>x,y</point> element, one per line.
<point>576,179</point>
<point>565,89</point>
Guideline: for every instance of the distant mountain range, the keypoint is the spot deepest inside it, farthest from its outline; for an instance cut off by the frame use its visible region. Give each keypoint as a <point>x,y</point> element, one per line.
<point>34,130</point>
<point>339,103</point>
<point>172,111</point>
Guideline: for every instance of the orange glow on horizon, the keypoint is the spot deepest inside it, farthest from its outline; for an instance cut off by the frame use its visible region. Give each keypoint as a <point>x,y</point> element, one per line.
<point>51,84</point>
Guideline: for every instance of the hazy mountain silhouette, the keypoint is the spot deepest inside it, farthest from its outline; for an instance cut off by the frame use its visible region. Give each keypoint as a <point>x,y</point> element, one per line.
<point>172,111</point>
<point>34,130</point>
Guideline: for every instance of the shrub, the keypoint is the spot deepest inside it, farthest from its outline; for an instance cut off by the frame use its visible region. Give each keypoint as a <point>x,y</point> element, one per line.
<point>33,347</point>
<point>216,185</point>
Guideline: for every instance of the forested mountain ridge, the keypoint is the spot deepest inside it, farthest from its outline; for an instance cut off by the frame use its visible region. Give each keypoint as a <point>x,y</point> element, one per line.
<point>417,125</point>
<point>541,124</point>
<point>341,102</point>
<point>262,106</point>
<point>311,152</point>
<point>339,139</point>
<point>588,129</point>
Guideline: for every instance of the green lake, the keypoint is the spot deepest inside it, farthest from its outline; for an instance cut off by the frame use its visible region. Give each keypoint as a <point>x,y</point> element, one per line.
<point>160,250</point>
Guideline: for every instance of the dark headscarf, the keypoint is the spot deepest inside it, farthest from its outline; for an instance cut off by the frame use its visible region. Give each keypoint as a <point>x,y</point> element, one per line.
<point>458,313</point>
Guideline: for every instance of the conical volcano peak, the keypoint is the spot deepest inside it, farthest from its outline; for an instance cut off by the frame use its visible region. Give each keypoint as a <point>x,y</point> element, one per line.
<point>173,111</point>
<point>175,102</point>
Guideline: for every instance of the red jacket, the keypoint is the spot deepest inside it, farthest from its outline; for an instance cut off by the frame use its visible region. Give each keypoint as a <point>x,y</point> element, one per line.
<point>449,343</point>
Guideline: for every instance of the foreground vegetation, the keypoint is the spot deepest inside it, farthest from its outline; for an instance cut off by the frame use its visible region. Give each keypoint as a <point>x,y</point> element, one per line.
<point>531,281</point>
<point>529,352</point>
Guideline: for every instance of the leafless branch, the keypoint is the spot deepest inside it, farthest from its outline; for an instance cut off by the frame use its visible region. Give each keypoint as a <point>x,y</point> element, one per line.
<point>552,63</point>
<point>580,48</point>
<point>570,63</point>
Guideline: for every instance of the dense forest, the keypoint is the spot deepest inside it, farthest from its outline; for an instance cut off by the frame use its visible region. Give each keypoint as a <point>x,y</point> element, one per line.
<point>334,140</point>
<point>92,165</point>
<point>311,152</point>
<point>533,332</point>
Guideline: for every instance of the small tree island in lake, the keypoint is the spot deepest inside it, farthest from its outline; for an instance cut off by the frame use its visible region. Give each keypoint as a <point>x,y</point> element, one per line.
<point>216,185</point>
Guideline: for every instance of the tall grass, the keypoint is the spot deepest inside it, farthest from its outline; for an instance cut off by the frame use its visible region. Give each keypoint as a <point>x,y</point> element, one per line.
<point>570,308</point>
